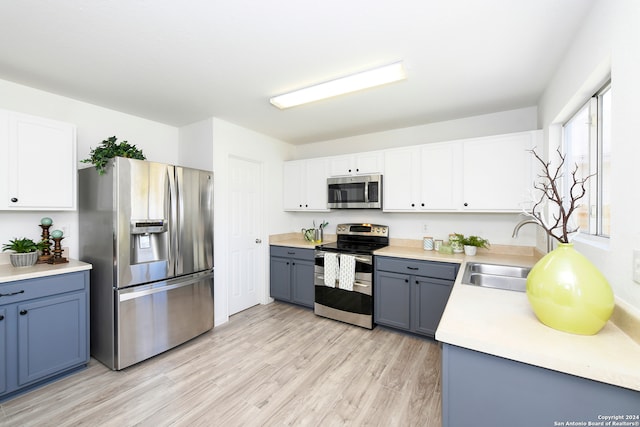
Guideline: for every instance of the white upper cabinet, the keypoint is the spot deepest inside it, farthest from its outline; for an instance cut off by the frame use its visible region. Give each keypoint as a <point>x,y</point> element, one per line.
<point>305,185</point>
<point>497,172</point>
<point>439,180</point>
<point>401,180</point>
<point>39,163</point>
<point>357,164</point>
<point>422,178</point>
<point>490,174</point>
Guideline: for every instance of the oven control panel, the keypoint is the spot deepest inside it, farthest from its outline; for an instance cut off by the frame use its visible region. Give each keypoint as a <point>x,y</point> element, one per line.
<point>363,229</point>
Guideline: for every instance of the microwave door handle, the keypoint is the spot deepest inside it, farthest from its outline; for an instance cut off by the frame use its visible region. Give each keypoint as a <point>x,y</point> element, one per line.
<point>366,192</point>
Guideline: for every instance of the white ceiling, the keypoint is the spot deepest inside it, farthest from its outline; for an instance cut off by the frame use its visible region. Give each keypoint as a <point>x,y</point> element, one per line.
<point>178,62</point>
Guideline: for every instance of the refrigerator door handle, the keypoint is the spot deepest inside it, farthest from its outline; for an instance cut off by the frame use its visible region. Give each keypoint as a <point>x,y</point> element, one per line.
<point>165,286</point>
<point>181,218</point>
<point>173,221</point>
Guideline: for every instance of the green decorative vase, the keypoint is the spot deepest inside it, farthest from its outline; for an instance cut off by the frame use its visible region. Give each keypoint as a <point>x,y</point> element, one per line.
<point>568,293</point>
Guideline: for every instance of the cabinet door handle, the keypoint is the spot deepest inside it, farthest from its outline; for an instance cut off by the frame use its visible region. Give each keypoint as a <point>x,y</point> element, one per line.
<point>293,263</point>
<point>23,312</point>
<point>12,293</point>
<point>290,253</point>
<point>466,204</point>
<point>406,280</point>
<point>1,317</point>
<point>413,205</point>
<point>412,268</point>
<point>14,199</point>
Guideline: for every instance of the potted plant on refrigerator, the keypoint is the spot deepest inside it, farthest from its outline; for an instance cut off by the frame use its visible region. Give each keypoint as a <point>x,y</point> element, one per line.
<point>101,155</point>
<point>25,251</point>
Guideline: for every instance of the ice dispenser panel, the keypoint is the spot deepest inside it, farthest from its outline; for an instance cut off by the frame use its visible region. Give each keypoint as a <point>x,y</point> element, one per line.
<point>149,241</point>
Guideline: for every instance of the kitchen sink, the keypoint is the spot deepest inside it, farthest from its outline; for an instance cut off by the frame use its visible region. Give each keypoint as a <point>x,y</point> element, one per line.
<point>497,276</point>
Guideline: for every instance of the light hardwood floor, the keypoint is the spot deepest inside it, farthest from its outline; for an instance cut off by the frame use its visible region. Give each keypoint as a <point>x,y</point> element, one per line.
<point>270,365</point>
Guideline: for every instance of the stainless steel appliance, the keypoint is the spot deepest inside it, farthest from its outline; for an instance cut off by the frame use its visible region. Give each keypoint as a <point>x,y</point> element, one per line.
<point>353,302</point>
<point>355,192</point>
<point>147,228</point>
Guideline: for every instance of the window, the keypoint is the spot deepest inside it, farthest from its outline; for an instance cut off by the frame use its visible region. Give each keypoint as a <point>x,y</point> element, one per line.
<point>587,144</point>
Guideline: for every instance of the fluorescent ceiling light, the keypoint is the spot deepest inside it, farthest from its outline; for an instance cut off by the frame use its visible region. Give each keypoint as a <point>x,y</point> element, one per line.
<point>366,79</point>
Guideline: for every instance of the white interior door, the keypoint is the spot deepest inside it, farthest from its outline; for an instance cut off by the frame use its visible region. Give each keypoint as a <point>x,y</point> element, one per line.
<point>246,259</point>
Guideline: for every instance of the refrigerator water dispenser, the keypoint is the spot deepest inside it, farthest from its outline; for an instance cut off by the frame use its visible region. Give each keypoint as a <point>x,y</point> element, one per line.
<point>149,241</point>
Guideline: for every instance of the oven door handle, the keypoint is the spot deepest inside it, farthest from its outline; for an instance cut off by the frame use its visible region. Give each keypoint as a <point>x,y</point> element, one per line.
<point>363,260</point>
<point>321,278</point>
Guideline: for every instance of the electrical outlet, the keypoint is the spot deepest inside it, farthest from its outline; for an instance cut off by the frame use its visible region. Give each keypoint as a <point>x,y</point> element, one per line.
<point>65,230</point>
<point>425,229</point>
<point>636,266</point>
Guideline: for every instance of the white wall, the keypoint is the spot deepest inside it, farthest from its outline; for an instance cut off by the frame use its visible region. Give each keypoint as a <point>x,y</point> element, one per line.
<point>497,228</point>
<point>608,40</point>
<point>196,145</point>
<point>484,125</point>
<point>231,140</point>
<point>94,124</point>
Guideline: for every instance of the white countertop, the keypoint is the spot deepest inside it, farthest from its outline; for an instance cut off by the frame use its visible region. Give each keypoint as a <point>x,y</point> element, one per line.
<point>502,323</point>
<point>9,273</point>
<point>295,240</point>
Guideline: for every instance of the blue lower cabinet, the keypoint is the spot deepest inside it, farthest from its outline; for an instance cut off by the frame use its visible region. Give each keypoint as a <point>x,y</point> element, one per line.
<point>45,326</point>
<point>3,351</point>
<point>410,294</point>
<point>291,275</point>
<point>480,389</point>
<point>52,336</point>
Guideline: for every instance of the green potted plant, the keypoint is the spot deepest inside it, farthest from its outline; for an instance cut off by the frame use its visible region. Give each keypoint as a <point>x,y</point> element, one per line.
<point>25,251</point>
<point>472,243</point>
<point>101,155</point>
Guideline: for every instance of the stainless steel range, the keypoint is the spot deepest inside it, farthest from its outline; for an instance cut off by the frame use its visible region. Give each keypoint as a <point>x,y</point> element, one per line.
<point>344,273</point>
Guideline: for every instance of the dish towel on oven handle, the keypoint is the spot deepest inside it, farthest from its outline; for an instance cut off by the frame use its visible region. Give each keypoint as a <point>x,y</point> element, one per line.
<point>331,269</point>
<point>347,272</point>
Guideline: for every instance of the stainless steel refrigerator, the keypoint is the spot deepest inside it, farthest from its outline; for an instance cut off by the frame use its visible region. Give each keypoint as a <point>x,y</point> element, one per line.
<point>147,228</point>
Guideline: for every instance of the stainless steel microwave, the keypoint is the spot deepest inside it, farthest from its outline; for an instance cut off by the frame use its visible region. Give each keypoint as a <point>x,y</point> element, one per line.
<point>355,192</point>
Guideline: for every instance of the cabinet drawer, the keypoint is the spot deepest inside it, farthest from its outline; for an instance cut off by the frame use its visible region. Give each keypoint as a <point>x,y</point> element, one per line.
<point>24,290</point>
<point>438,270</point>
<point>290,252</point>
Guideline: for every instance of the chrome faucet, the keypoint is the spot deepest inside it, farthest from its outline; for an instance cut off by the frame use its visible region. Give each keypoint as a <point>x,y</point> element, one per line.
<point>532,221</point>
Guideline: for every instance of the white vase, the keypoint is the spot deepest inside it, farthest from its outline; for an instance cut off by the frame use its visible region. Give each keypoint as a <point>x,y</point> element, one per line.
<point>470,250</point>
<point>24,259</point>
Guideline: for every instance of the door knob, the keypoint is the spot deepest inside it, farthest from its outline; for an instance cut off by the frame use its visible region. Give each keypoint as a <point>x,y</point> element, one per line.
<point>258,240</point>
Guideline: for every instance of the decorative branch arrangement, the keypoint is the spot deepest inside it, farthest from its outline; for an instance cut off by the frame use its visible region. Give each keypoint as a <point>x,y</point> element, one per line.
<point>560,226</point>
